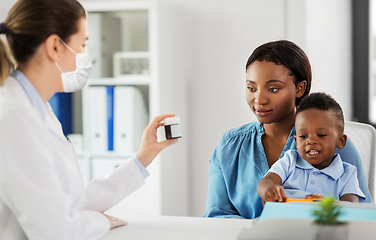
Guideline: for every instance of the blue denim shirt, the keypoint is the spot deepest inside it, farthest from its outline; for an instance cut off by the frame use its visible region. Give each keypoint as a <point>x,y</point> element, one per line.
<point>239,163</point>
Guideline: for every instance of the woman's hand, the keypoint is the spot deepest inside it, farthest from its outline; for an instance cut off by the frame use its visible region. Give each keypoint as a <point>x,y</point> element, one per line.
<point>115,222</point>
<point>150,147</point>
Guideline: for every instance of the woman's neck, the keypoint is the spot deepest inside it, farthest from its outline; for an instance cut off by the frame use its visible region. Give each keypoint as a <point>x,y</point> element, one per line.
<point>275,137</point>
<point>281,128</point>
<point>42,77</point>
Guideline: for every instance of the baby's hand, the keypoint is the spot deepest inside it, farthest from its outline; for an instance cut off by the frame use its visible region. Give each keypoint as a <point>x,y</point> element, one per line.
<point>274,193</point>
<point>314,195</point>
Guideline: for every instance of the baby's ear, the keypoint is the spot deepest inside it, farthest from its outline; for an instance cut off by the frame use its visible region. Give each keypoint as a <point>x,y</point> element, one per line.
<point>342,141</point>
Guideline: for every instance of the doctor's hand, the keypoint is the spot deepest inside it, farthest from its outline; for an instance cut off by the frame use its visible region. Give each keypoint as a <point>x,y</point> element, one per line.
<point>150,147</point>
<point>115,222</point>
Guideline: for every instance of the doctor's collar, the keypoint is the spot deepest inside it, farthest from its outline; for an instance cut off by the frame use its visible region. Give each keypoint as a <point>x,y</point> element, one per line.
<point>31,92</point>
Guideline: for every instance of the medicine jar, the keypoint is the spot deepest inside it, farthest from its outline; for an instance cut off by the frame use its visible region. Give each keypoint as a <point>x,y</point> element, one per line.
<point>172,127</point>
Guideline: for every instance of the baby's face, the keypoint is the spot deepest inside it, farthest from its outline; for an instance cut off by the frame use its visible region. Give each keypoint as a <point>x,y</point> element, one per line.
<point>317,137</point>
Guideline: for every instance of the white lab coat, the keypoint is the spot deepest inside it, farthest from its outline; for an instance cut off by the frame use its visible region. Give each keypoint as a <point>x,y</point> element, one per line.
<point>42,196</point>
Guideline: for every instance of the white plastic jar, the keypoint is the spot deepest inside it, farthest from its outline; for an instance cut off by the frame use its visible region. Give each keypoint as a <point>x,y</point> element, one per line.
<point>172,127</point>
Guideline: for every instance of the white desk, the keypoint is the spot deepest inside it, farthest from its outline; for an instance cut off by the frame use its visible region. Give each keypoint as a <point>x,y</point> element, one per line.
<point>190,228</point>
<point>297,229</point>
<point>178,228</point>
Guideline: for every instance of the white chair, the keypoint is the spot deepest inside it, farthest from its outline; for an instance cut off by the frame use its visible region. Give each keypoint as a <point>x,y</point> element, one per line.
<point>364,138</point>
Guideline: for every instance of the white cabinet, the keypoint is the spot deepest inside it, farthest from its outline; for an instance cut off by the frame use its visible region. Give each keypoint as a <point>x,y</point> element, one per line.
<point>138,203</point>
<point>104,42</point>
<point>149,57</point>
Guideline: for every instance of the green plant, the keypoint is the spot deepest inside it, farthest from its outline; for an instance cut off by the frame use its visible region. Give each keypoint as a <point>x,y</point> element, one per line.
<point>328,212</point>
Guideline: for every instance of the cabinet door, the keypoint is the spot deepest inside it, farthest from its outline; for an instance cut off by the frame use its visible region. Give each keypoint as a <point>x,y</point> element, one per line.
<point>139,202</point>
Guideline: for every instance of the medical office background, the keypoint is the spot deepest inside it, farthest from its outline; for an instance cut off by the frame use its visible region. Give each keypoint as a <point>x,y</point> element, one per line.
<point>219,35</point>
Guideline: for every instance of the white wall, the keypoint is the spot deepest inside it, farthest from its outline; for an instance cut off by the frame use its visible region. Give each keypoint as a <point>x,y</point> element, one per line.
<point>328,44</point>
<point>5,6</point>
<point>222,34</point>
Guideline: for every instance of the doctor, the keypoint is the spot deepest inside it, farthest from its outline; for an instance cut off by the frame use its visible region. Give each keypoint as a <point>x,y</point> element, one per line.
<point>41,191</point>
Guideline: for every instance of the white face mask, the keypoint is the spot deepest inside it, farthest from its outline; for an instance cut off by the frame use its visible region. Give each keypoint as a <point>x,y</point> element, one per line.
<point>74,81</point>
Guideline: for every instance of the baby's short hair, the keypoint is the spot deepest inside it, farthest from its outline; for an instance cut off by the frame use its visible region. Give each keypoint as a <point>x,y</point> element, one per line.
<point>323,101</point>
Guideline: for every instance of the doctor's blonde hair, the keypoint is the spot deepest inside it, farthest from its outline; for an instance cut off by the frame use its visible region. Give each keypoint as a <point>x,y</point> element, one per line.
<point>29,23</point>
<point>6,62</point>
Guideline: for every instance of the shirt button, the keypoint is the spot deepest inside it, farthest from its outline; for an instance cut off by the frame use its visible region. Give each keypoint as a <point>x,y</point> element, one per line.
<point>312,181</point>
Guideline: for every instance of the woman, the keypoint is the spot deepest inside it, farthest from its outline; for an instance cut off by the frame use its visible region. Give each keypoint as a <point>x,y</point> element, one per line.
<point>278,76</point>
<point>41,193</point>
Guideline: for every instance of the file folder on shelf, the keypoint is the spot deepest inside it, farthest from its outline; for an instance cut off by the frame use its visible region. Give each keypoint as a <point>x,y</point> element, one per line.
<point>61,104</point>
<point>110,117</point>
<point>104,42</point>
<point>130,118</point>
<point>98,130</point>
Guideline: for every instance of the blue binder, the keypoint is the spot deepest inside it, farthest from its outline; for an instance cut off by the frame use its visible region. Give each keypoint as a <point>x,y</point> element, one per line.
<point>61,104</point>
<point>110,117</point>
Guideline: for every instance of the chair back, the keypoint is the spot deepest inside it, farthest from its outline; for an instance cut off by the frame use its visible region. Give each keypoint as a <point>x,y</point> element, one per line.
<point>364,138</point>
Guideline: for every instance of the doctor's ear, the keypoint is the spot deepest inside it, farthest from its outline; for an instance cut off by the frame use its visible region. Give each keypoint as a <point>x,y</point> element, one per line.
<point>53,46</point>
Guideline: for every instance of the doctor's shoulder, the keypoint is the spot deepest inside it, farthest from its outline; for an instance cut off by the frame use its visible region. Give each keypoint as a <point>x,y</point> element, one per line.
<point>12,102</point>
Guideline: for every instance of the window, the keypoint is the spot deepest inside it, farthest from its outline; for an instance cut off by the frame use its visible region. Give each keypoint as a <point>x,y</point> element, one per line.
<point>372,61</point>
<point>364,85</point>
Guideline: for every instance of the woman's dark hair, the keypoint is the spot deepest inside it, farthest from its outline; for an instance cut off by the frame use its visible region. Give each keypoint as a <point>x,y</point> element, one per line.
<point>30,22</point>
<point>288,54</point>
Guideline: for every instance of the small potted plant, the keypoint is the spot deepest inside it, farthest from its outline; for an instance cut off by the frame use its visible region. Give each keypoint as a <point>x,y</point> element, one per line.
<point>326,220</point>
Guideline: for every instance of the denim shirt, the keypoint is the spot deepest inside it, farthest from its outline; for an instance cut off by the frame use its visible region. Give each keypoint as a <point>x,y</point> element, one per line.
<point>239,162</point>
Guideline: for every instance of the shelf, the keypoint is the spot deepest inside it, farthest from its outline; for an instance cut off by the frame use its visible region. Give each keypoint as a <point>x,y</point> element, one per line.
<point>153,33</point>
<point>115,155</point>
<point>128,80</point>
<point>113,6</point>
<point>131,55</point>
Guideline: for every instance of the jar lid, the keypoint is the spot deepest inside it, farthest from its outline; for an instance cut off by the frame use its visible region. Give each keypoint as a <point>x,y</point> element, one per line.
<point>171,120</point>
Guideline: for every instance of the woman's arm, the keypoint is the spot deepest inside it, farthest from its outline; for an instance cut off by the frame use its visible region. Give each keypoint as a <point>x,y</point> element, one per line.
<point>218,203</point>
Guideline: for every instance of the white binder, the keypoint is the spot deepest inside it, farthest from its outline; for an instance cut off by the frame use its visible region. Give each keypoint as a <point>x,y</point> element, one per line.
<point>98,141</point>
<point>130,118</point>
<point>103,42</point>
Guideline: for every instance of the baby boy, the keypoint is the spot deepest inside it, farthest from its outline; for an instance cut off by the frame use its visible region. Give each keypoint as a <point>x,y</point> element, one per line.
<point>314,169</point>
